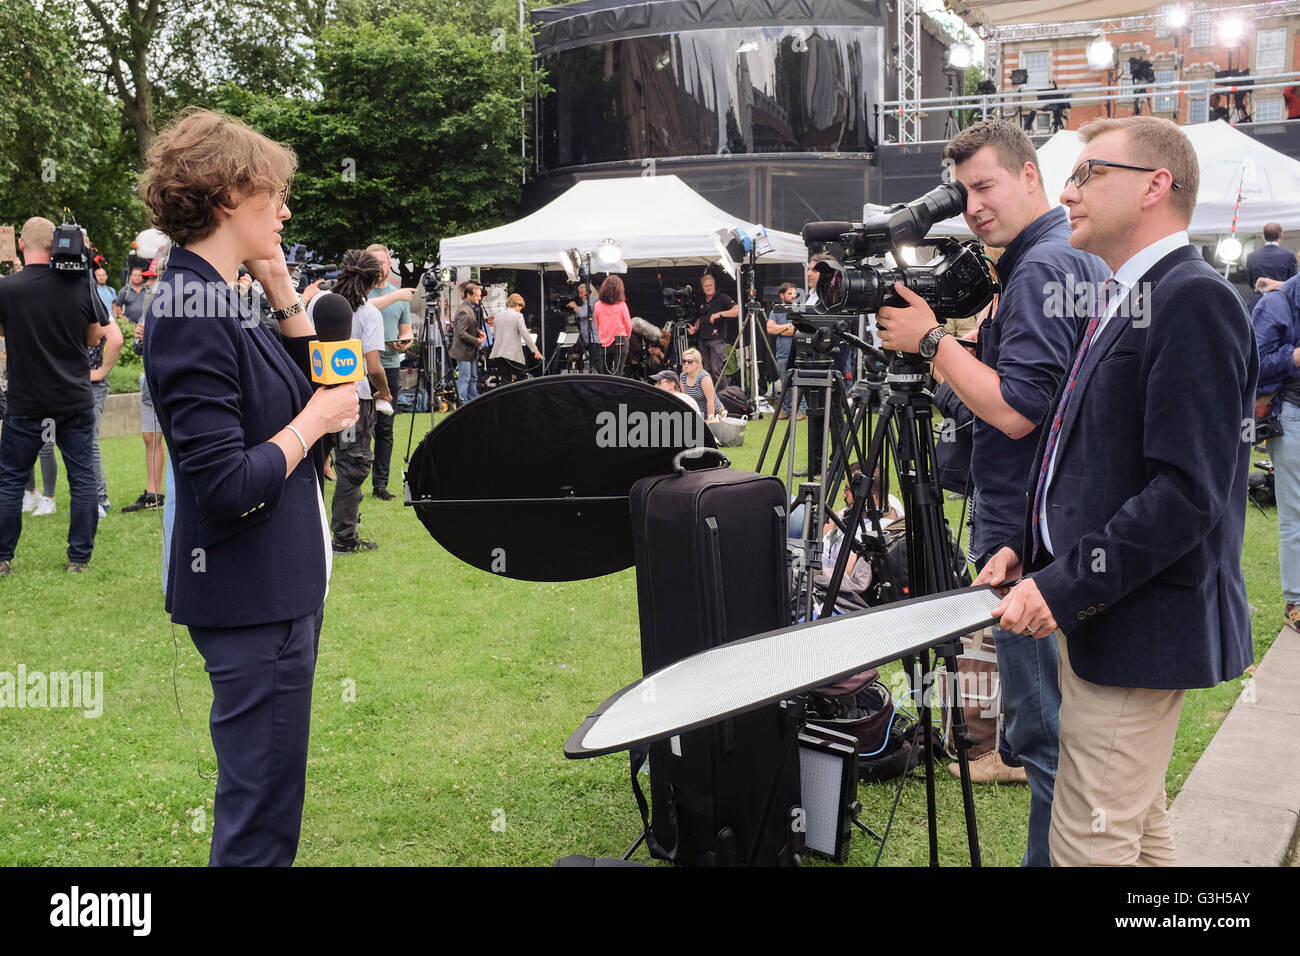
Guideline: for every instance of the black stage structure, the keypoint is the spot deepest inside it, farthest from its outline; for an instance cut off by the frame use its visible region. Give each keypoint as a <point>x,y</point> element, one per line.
<point>763,107</point>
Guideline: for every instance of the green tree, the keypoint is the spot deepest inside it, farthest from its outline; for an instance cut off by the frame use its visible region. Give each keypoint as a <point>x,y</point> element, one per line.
<point>415,135</point>
<point>64,145</point>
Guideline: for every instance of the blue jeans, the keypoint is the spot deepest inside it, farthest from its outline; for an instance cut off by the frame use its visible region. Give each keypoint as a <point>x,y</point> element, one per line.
<point>20,445</point>
<point>1285,452</point>
<point>100,390</point>
<point>467,381</point>
<point>1031,698</point>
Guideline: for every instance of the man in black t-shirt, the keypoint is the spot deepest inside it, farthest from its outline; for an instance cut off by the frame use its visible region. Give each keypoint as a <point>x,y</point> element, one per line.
<point>711,324</point>
<point>48,319</point>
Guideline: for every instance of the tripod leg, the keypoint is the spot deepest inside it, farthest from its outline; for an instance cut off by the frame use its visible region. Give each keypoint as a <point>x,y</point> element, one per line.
<point>961,743</point>
<point>924,714</point>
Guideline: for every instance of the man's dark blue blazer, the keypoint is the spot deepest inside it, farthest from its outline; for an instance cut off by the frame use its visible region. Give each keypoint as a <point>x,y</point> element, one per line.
<point>248,545</point>
<point>1147,505</point>
<point>1272,262</point>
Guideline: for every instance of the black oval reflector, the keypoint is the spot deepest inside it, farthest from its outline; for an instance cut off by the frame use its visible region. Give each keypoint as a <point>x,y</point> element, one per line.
<point>531,480</point>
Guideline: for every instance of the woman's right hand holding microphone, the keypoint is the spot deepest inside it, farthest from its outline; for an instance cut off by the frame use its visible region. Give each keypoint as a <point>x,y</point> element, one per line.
<point>334,408</point>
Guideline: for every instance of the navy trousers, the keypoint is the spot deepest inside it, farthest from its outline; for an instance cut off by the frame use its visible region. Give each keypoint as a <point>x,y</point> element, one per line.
<point>261,711</point>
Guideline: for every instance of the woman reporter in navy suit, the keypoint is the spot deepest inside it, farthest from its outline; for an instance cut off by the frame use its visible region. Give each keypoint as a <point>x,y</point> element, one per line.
<point>249,556</point>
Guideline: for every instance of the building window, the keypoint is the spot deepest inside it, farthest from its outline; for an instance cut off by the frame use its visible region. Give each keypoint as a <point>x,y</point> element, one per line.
<point>1269,110</point>
<point>1202,32</point>
<point>1198,102</point>
<point>1270,51</point>
<point>1039,66</point>
<point>1042,122</point>
<point>1167,102</point>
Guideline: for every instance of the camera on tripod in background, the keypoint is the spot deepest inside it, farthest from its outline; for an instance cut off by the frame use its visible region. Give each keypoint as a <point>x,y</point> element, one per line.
<point>679,301</point>
<point>955,284</point>
<point>304,274</point>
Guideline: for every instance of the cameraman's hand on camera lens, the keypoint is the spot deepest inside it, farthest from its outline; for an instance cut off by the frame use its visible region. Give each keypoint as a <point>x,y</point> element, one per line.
<point>901,329</point>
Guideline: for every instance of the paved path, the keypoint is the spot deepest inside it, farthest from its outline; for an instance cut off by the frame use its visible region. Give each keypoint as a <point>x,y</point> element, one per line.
<point>1241,803</point>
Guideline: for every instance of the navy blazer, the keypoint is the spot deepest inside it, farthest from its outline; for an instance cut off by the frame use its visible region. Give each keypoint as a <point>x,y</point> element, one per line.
<point>1147,506</point>
<point>248,545</point>
<point>1271,262</point>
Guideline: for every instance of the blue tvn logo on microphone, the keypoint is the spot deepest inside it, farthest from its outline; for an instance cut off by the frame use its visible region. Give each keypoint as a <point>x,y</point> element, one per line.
<point>344,362</point>
<point>317,362</point>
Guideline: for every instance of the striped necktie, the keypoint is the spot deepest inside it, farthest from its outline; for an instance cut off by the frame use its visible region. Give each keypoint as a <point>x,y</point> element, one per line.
<point>1108,290</point>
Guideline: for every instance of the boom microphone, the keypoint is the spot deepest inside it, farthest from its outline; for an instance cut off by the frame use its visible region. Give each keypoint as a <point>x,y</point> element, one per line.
<point>826,231</point>
<point>646,329</point>
<point>335,355</point>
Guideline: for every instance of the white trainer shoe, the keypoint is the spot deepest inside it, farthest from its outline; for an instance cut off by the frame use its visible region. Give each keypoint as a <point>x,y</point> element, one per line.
<point>30,500</point>
<point>46,507</point>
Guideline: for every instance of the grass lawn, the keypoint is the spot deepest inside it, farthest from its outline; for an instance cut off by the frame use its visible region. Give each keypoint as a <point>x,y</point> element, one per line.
<point>443,696</point>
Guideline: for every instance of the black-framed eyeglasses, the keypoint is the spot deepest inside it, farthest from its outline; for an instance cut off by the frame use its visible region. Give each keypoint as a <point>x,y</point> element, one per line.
<point>1083,172</point>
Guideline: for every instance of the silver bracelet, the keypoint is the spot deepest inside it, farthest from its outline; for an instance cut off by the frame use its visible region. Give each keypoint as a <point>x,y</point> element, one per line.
<point>301,440</point>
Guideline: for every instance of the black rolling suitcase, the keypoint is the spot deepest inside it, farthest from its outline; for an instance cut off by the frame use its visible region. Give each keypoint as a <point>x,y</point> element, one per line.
<point>711,568</point>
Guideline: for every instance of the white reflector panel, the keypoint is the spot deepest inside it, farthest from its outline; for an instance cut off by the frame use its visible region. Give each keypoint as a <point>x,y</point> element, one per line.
<point>745,674</point>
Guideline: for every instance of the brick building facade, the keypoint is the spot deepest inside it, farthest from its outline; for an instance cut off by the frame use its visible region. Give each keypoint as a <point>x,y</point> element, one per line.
<point>1191,55</point>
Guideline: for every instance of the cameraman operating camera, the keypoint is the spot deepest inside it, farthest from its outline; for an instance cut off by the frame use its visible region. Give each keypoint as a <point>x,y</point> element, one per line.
<point>1024,349</point>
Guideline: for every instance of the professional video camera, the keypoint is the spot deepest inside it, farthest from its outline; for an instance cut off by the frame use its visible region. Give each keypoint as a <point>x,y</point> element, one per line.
<point>679,300</point>
<point>71,250</point>
<point>305,273</point>
<point>956,284</point>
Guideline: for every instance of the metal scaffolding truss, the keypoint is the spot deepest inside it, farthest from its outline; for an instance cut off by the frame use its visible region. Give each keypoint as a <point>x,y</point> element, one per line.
<point>1138,23</point>
<point>909,71</point>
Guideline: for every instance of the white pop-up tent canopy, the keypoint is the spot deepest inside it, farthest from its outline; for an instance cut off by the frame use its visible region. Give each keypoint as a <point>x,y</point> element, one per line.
<point>1230,160</point>
<point>654,219</point>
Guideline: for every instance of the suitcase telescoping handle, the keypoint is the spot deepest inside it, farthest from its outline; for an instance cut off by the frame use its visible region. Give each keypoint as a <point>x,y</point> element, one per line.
<point>696,455</point>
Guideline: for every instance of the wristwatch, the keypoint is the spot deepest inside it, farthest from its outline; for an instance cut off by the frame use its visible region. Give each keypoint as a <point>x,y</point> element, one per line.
<point>279,315</point>
<point>930,343</point>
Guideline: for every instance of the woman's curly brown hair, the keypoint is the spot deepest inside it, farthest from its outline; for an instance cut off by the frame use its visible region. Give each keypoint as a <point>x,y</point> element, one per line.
<point>205,160</point>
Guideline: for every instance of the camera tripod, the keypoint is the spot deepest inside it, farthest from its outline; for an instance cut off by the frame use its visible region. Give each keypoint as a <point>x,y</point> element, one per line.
<point>902,435</point>
<point>753,329</point>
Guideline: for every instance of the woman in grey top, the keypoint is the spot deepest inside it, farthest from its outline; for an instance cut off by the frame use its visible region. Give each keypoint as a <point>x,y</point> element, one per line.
<point>512,336</point>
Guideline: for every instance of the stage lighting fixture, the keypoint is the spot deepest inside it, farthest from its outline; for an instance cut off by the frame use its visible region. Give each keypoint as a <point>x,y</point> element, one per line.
<point>571,260</point>
<point>1019,77</point>
<point>733,246</point>
<point>1101,54</point>
<point>959,56</point>
<point>986,88</point>
<point>1229,249</point>
<point>1231,31</point>
<point>609,253</point>
<point>1177,19</point>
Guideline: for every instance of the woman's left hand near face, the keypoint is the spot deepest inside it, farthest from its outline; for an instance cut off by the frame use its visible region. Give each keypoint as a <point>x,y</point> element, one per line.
<point>273,273</point>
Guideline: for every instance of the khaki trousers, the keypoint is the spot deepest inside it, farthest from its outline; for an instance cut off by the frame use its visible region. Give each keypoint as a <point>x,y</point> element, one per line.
<point>1109,805</point>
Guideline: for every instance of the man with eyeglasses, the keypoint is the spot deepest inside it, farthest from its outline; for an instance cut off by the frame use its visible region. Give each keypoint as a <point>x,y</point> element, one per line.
<point>1024,351</point>
<point>1137,504</point>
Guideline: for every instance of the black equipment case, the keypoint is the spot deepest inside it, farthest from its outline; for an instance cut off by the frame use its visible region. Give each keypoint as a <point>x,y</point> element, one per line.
<point>711,568</point>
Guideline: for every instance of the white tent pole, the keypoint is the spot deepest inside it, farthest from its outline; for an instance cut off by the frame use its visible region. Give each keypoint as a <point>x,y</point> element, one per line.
<point>541,325</point>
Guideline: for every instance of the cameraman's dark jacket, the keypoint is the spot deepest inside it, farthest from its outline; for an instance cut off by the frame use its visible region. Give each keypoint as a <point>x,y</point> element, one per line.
<point>1277,332</point>
<point>1029,341</point>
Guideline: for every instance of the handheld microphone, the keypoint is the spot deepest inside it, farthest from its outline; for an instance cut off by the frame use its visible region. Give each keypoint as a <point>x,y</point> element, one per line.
<point>335,355</point>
